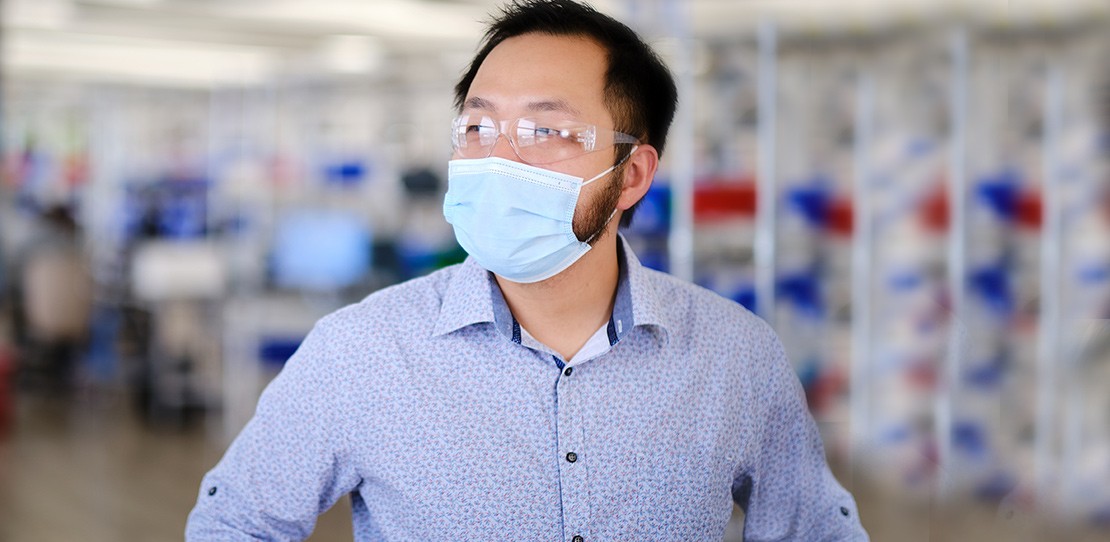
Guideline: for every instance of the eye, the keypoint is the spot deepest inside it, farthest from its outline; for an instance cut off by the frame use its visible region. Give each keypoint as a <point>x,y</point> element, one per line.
<point>543,133</point>
<point>471,125</point>
<point>480,131</point>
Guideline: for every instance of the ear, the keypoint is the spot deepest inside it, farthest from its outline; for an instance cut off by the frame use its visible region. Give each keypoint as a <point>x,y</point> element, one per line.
<point>639,170</point>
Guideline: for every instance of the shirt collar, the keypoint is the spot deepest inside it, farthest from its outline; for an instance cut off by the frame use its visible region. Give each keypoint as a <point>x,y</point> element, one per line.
<point>467,299</point>
<point>637,298</point>
<point>473,297</point>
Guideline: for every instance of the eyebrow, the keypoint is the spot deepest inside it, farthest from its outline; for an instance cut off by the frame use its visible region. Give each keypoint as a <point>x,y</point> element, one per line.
<point>562,106</point>
<point>479,103</point>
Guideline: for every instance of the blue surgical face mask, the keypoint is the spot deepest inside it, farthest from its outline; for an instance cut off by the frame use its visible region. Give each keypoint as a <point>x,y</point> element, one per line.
<point>516,220</point>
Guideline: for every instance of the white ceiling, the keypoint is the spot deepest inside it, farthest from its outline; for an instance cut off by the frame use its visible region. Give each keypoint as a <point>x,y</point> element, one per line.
<point>207,42</point>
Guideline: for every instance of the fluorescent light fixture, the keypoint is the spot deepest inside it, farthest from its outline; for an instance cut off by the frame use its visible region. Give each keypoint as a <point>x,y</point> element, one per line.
<point>393,19</point>
<point>49,14</point>
<point>723,17</point>
<point>351,53</point>
<point>133,59</point>
<point>126,3</point>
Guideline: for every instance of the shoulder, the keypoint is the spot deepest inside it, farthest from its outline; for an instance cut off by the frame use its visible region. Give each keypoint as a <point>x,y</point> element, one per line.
<point>376,334</point>
<point>400,312</point>
<point>681,302</point>
<point>717,333</point>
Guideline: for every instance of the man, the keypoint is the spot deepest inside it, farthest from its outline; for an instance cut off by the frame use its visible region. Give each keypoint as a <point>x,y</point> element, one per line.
<point>548,388</point>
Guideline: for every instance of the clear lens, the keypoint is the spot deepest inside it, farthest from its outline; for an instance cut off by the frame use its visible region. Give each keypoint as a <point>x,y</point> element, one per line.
<point>535,140</point>
<point>544,141</point>
<point>473,133</point>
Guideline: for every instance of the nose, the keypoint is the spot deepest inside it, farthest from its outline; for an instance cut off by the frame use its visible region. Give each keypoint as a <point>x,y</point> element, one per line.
<point>503,148</point>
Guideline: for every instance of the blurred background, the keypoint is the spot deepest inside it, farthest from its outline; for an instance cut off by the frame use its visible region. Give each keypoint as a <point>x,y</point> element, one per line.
<point>913,193</point>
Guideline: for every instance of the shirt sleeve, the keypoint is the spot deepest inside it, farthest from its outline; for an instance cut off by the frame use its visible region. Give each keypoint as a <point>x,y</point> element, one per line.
<point>789,493</point>
<point>288,465</point>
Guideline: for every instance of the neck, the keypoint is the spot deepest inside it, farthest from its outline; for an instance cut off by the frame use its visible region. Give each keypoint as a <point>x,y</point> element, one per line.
<point>564,311</point>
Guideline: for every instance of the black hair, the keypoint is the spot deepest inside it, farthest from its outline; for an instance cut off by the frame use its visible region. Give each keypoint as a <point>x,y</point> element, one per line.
<point>640,91</point>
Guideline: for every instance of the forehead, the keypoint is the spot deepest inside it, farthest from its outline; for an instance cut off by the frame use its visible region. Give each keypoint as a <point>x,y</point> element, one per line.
<point>536,71</point>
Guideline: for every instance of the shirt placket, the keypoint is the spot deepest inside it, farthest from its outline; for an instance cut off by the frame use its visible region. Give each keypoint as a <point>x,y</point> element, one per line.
<point>572,458</point>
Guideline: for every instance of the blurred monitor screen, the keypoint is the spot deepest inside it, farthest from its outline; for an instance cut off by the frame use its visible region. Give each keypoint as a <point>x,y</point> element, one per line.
<point>317,250</point>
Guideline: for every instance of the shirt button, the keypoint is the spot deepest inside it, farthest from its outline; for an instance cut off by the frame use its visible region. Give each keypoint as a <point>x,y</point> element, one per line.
<point>572,457</point>
<point>568,371</point>
<point>577,538</point>
<point>211,491</point>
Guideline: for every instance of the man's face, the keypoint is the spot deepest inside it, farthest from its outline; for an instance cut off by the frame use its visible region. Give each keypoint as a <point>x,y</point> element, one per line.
<point>552,75</point>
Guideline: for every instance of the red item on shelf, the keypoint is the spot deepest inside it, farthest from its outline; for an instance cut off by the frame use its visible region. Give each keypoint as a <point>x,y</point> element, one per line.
<point>1030,210</point>
<point>934,209</point>
<point>840,217</point>
<point>721,199</point>
<point>822,394</point>
<point>923,374</point>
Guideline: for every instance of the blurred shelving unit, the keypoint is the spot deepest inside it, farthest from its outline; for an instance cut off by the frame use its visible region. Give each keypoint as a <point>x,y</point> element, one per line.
<point>910,199</point>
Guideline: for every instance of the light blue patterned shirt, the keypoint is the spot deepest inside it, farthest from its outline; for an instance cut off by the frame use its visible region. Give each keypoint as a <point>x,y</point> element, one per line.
<point>423,403</point>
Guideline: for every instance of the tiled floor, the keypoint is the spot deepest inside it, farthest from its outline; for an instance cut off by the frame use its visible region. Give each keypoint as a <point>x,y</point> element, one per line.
<point>88,469</point>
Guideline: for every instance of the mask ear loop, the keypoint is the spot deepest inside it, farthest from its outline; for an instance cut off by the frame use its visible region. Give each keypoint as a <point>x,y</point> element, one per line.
<point>614,166</point>
<point>606,225</point>
<point>614,213</point>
